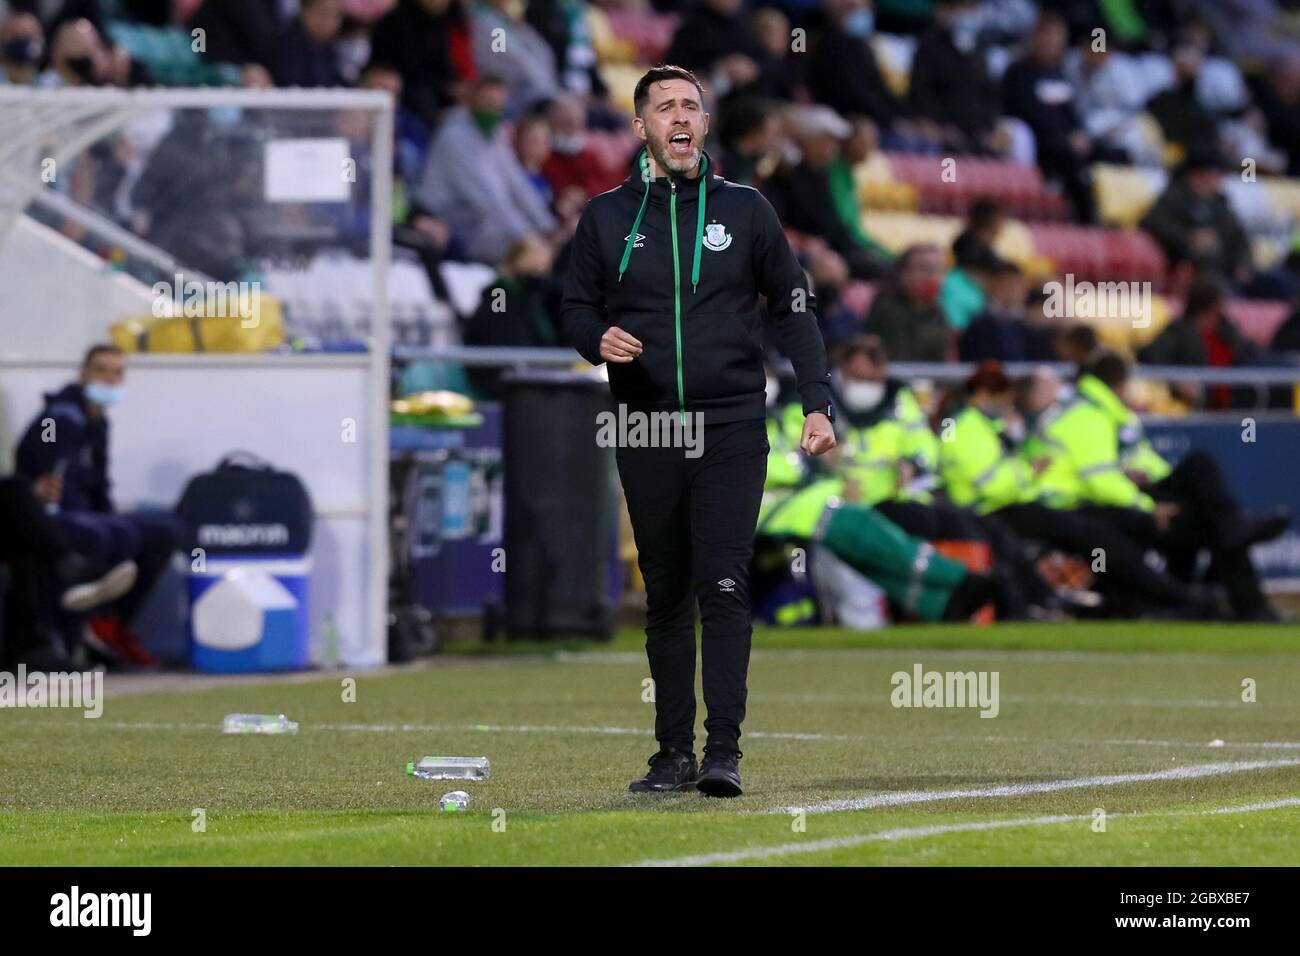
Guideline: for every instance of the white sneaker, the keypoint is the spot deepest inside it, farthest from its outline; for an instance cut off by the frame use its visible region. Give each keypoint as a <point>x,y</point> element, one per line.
<point>119,580</point>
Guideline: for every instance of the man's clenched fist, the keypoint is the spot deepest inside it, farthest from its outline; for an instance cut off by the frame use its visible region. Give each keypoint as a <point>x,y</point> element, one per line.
<point>617,346</point>
<point>818,434</point>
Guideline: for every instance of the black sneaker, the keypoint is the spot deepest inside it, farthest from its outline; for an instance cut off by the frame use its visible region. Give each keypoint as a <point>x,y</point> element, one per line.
<point>670,770</point>
<point>720,774</point>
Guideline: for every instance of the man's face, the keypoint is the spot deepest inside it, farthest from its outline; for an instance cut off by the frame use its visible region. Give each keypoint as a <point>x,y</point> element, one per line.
<point>107,368</point>
<point>1044,388</point>
<point>923,274</point>
<point>322,20</point>
<point>673,125</point>
<point>1204,182</point>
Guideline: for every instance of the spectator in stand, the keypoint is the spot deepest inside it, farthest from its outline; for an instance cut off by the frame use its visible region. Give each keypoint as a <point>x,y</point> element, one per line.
<point>906,312</point>
<point>1109,96</point>
<point>843,72</point>
<point>809,200</point>
<point>79,57</point>
<point>517,54</point>
<point>22,46</point>
<point>1178,110</point>
<point>306,53</point>
<point>1000,331</point>
<point>1075,343</point>
<point>240,31</point>
<point>782,70</point>
<point>1203,336</point>
<point>749,138</point>
<point>574,162</point>
<point>532,142</point>
<point>984,222</point>
<point>950,83</point>
<point>428,42</point>
<point>563,25</point>
<point>1194,224</point>
<point>513,310</point>
<point>473,181</point>
<point>1034,89</point>
<point>962,294</point>
<point>714,41</point>
<point>53,14</point>
<point>1279,100</point>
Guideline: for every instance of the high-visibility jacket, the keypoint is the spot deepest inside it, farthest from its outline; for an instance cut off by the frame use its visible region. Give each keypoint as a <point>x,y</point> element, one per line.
<point>872,447</point>
<point>1089,443</point>
<point>976,469</point>
<point>1136,452</point>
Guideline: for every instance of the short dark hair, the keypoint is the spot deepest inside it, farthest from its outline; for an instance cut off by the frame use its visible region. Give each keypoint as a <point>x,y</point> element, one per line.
<point>101,348</point>
<point>659,74</point>
<point>1205,292</point>
<point>865,344</point>
<point>1107,365</point>
<point>1080,337</point>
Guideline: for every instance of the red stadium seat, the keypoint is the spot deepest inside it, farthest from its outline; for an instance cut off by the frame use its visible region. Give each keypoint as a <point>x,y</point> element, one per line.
<point>651,33</point>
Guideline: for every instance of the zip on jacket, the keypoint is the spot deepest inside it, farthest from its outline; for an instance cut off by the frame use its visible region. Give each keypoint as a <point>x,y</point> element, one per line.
<point>701,352</point>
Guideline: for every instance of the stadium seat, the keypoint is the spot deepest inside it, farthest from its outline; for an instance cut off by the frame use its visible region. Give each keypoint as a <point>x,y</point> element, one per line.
<point>1125,193</point>
<point>650,33</point>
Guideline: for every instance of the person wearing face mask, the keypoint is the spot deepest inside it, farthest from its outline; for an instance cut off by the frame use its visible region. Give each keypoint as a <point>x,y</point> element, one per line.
<point>64,454</point>
<point>907,315</point>
<point>22,45</point>
<point>1101,462</point>
<point>805,506</point>
<point>981,470</point>
<point>889,457</point>
<point>473,181</point>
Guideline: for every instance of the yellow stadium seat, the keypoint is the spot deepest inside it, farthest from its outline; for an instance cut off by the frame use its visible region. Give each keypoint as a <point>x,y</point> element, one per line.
<point>1124,194</point>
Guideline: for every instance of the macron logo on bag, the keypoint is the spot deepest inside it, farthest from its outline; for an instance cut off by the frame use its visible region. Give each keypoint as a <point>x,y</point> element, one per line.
<point>243,535</point>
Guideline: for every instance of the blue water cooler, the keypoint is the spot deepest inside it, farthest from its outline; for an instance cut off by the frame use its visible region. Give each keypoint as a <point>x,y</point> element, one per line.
<point>251,613</point>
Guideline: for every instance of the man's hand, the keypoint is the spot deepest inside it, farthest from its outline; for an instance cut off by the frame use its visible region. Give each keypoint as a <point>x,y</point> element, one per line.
<point>818,435</point>
<point>617,346</point>
<point>48,489</point>
<point>1164,514</point>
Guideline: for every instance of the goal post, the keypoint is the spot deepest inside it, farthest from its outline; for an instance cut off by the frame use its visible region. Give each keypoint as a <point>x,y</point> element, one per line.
<point>92,223</point>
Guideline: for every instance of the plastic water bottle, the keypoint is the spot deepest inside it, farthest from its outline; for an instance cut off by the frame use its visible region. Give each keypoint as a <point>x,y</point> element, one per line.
<point>455,802</point>
<point>330,642</point>
<point>258,724</point>
<point>450,768</point>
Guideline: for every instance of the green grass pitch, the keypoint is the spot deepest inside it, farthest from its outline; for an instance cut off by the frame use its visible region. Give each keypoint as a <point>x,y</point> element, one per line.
<point>1144,722</point>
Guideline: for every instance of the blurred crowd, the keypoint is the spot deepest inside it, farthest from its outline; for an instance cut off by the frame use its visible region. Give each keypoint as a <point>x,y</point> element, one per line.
<point>507,122</point>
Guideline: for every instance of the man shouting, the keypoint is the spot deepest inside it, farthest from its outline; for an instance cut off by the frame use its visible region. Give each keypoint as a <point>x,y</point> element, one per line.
<point>665,283</point>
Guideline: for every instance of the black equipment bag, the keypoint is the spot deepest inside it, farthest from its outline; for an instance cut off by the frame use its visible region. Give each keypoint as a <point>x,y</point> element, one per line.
<point>245,506</point>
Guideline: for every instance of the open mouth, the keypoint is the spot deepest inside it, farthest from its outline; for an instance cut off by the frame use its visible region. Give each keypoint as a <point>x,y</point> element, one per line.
<point>679,144</point>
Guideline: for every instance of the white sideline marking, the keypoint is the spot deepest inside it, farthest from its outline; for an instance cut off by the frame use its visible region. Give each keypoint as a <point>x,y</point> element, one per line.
<point>755,734</point>
<point>1253,807</point>
<point>903,797</point>
<point>910,833</point>
<point>1122,701</point>
<point>836,843</point>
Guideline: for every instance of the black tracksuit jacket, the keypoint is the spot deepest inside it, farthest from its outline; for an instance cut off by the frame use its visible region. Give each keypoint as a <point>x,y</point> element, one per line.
<point>689,288</point>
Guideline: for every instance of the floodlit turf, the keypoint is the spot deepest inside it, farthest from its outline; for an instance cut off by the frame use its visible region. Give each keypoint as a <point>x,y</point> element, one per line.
<point>1119,718</point>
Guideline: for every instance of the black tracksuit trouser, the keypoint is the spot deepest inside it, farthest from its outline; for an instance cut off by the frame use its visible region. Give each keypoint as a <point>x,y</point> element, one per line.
<point>694,520</point>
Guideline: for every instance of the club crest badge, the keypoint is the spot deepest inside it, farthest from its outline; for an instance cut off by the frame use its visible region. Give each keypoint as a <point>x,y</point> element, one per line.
<point>716,237</point>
